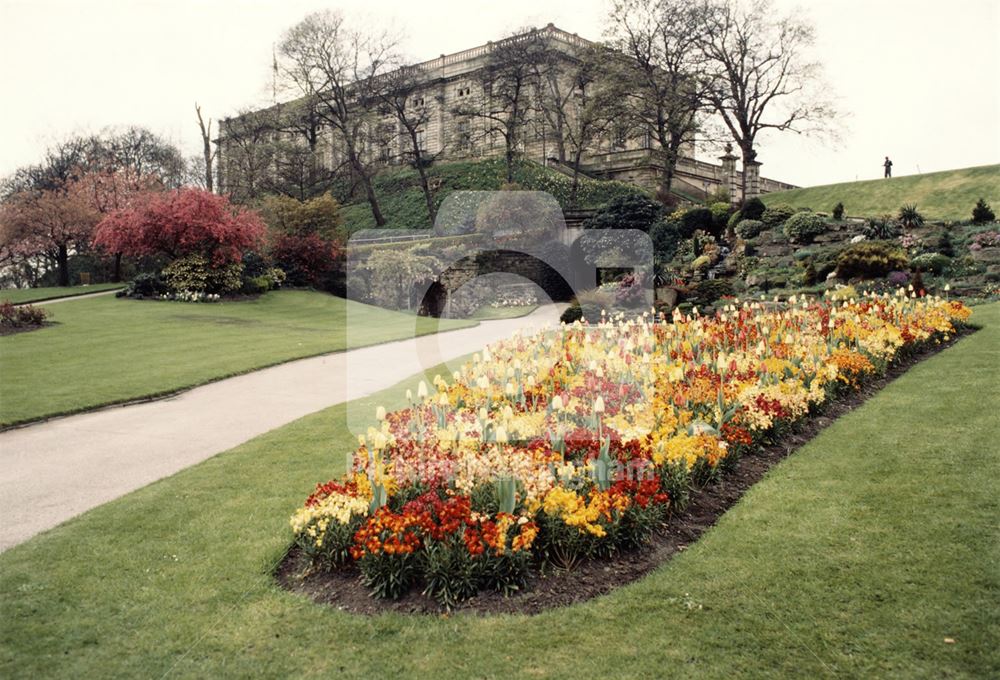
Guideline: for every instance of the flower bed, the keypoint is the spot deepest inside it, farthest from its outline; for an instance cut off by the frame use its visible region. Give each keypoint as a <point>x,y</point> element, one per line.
<point>555,448</point>
<point>18,318</point>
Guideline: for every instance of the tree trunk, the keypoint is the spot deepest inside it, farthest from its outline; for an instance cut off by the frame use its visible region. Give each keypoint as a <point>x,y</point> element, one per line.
<point>509,157</point>
<point>62,260</point>
<point>372,200</point>
<point>748,155</point>
<point>418,163</point>
<point>428,196</point>
<point>576,177</point>
<point>116,275</point>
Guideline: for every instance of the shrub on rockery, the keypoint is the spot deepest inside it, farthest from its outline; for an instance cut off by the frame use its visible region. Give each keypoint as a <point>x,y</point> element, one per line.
<point>870,260</point>
<point>775,215</point>
<point>803,227</point>
<point>750,228</point>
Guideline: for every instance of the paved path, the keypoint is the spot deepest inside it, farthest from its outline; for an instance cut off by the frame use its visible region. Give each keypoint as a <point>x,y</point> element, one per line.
<point>52,301</point>
<point>55,470</point>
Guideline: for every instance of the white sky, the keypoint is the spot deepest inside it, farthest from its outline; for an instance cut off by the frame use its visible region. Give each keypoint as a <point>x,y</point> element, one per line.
<point>919,78</point>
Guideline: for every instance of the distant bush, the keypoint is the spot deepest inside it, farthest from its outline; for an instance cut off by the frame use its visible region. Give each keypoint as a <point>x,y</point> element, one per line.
<point>870,260</point>
<point>775,215</point>
<point>710,290</point>
<point>144,285</point>
<point>286,215</point>
<point>749,228</point>
<point>753,209</point>
<point>909,218</point>
<point>23,316</point>
<point>720,215</point>
<point>306,260</point>
<point>881,228</point>
<point>838,211</point>
<point>633,211</point>
<point>935,263</point>
<point>803,227</point>
<point>810,277</point>
<point>572,313</point>
<point>944,244</point>
<point>983,213</point>
<point>195,274</point>
<point>666,237</point>
<point>695,219</point>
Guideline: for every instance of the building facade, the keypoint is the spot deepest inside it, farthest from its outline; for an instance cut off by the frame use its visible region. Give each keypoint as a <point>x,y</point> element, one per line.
<point>454,104</point>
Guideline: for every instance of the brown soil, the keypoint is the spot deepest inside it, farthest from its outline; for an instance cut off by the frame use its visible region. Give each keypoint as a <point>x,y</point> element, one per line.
<point>14,330</point>
<point>557,588</point>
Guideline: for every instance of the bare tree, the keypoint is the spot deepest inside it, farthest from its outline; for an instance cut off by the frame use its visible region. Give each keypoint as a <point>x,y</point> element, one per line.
<point>507,96</point>
<point>206,142</point>
<point>659,80</point>
<point>592,106</point>
<point>401,94</point>
<point>248,157</point>
<point>758,76</point>
<point>337,67</point>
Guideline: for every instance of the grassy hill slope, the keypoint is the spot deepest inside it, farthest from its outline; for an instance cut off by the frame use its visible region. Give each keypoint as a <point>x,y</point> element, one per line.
<point>402,201</point>
<point>948,195</point>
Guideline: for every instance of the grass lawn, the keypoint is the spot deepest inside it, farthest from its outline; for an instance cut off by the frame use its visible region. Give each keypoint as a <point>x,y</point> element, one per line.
<point>21,295</point>
<point>106,350</point>
<point>487,312</point>
<point>857,556</point>
<point>948,195</point>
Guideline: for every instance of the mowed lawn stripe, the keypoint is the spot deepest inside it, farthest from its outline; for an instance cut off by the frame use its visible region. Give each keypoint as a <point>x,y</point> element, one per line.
<point>106,350</point>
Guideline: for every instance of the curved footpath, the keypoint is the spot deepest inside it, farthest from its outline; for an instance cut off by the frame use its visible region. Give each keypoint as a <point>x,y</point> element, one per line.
<point>55,470</point>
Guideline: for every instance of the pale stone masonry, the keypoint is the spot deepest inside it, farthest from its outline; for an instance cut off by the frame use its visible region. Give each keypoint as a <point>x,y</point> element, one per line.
<point>454,82</point>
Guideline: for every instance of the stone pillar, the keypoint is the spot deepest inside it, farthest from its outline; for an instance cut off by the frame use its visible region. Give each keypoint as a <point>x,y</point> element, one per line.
<point>729,179</point>
<point>752,171</point>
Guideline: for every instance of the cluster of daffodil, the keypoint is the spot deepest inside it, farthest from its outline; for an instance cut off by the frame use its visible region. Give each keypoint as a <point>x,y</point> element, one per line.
<point>580,418</point>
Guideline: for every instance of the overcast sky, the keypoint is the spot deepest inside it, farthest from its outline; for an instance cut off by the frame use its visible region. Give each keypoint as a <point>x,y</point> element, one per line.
<point>918,78</point>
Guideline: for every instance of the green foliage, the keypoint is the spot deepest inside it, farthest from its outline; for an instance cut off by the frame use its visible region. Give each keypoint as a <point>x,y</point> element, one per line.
<point>720,215</point>
<point>935,263</point>
<point>734,220</point>
<point>144,285</point>
<point>945,245</point>
<point>870,260</point>
<point>718,195</point>
<point>803,227</point>
<point>393,273</point>
<point>194,274</point>
<point>909,217</point>
<point>449,571</point>
<point>286,215</point>
<point>810,277</point>
<point>838,211</point>
<point>269,280</point>
<point>389,576</point>
<point>404,206</point>
<point>666,237</point>
<point>695,219</point>
<point>572,313</point>
<point>753,209</point>
<point>630,211</point>
<point>710,290</point>
<point>882,228</point>
<point>983,213</point>
<point>775,215</point>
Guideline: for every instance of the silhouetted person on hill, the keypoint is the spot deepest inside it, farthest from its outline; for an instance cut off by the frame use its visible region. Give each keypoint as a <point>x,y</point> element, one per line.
<point>888,167</point>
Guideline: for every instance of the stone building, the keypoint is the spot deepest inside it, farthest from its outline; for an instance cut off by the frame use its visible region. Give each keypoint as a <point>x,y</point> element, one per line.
<point>451,90</point>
